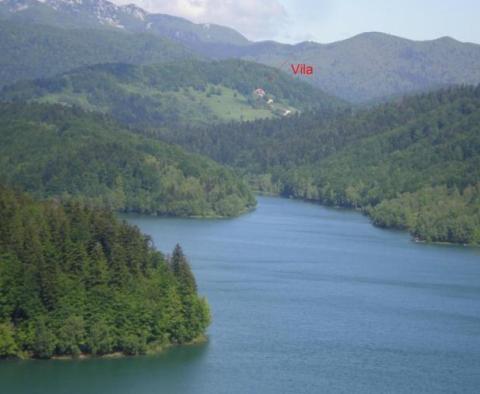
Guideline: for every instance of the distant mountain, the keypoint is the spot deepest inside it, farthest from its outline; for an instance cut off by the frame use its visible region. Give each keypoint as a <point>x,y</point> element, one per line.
<point>184,92</point>
<point>33,51</point>
<point>104,14</point>
<point>365,68</point>
<point>373,66</point>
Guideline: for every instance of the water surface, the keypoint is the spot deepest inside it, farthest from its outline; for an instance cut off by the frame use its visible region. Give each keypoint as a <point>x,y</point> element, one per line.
<point>305,300</point>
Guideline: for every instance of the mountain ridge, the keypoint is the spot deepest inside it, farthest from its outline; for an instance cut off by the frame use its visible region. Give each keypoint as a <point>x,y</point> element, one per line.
<point>108,12</point>
<point>368,67</point>
<point>105,14</point>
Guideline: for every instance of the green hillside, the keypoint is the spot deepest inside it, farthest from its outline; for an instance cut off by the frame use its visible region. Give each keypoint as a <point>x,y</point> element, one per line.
<point>374,66</point>
<point>34,51</point>
<point>55,151</point>
<point>369,67</point>
<point>75,280</point>
<point>412,164</point>
<point>188,92</point>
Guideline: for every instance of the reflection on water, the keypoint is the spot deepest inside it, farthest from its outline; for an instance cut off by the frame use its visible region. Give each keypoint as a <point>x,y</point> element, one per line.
<point>171,371</point>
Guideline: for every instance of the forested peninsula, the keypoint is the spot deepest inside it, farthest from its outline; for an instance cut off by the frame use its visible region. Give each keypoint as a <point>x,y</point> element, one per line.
<point>77,281</point>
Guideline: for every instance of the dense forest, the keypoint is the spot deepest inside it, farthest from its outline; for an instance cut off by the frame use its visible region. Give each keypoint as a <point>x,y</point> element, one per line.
<point>375,66</point>
<point>32,51</point>
<point>56,151</point>
<point>77,280</point>
<point>183,92</point>
<point>413,163</point>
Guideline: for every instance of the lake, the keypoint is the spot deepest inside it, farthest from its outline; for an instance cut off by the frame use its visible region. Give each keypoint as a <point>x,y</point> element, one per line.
<point>305,299</point>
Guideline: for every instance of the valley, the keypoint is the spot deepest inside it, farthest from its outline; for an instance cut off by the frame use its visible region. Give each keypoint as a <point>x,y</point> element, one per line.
<point>246,196</point>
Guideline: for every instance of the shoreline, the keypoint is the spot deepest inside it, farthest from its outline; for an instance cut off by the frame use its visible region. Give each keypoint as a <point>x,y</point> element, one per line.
<point>362,211</point>
<point>152,351</point>
<point>196,217</point>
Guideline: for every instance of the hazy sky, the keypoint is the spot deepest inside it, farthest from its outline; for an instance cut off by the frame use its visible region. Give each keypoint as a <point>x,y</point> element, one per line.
<point>330,20</point>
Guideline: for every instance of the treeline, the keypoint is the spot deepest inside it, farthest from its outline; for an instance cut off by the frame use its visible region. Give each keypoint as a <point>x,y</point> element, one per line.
<point>167,94</point>
<point>56,151</point>
<point>77,280</point>
<point>380,160</point>
<point>434,214</point>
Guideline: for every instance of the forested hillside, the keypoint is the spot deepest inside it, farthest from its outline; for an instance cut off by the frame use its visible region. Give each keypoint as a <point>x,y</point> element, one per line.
<point>368,67</point>
<point>32,51</point>
<point>413,163</point>
<point>55,151</point>
<point>76,280</point>
<point>186,92</point>
<point>374,66</point>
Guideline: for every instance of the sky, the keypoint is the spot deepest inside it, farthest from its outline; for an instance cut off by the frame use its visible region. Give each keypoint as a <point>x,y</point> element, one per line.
<point>329,20</point>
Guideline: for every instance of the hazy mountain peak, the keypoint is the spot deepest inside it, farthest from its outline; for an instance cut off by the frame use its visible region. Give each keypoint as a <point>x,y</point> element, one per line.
<point>103,13</point>
<point>447,39</point>
<point>375,36</point>
<point>135,11</point>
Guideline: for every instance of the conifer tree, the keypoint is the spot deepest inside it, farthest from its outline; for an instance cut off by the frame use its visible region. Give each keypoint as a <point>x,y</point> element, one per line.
<point>182,271</point>
<point>79,280</point>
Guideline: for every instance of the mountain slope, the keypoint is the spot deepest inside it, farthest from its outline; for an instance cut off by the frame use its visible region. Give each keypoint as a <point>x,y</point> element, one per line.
<point>51,150</point>
<point>34,51</point>
<point>187,92</point>
<point>365,68</point>
<point>373,66</point>
<point>413,163</point>
<point>106,15</point>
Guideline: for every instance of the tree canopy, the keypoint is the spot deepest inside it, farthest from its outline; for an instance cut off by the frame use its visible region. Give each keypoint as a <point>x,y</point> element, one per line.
<point>77,280</point>
<point>56,151</point>
<point>173,93</point>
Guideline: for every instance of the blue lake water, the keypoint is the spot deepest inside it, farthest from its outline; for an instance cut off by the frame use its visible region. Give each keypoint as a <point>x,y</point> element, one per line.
<point>305,299</point>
